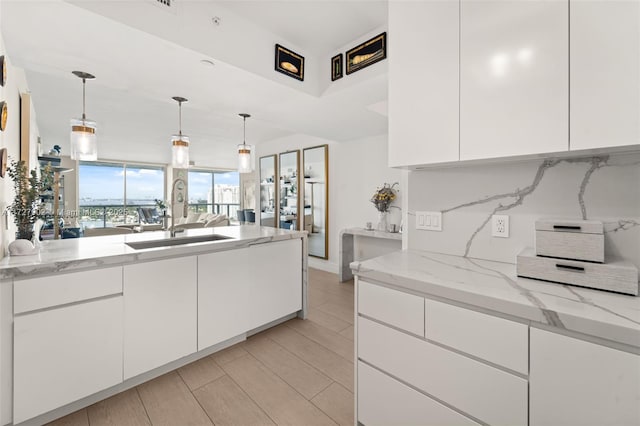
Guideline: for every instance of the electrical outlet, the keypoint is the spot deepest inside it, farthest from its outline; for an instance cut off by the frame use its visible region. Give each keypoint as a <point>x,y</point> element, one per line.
<point>429,221</point>
<point>500,226</point>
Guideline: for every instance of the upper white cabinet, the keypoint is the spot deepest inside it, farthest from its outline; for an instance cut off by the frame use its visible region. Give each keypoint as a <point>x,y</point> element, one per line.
<point>605,73</point>
<point>573,382</point>
<point>514,82</point>
<point>160,313</point>
<point>423,82</point>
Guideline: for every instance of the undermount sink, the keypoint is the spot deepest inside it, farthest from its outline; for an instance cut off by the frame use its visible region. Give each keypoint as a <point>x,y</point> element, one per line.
<point>139,245</point>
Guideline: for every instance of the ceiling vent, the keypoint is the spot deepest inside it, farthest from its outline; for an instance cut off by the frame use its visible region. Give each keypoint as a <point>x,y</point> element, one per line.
<point>165,2</point>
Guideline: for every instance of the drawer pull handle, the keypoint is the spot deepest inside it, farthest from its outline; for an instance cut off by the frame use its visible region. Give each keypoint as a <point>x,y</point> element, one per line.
<point>567,227</point>
<point>570,267</point>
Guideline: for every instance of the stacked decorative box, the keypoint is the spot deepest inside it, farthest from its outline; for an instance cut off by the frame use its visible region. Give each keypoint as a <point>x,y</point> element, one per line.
<point>572,252</point>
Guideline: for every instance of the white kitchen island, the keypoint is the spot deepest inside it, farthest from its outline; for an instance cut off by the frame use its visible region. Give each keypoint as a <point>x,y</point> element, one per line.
<point>89,317</point>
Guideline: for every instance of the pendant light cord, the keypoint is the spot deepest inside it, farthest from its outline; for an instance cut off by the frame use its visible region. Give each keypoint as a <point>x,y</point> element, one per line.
<point>84,88</point>
<point>244,132</point>
<point>180,118</point>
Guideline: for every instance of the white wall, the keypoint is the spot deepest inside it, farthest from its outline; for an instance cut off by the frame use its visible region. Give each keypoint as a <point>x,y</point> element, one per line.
<point>356,169</point>
<point>10,139</point>
<point>469,194</point>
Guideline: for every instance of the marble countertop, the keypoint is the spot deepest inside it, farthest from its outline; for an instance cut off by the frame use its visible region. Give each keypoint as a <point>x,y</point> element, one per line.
<point>495,286</point>
<point>91,252</point>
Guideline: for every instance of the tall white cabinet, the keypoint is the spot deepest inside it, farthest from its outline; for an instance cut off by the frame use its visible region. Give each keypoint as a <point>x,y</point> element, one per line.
<point>514,83</point>
<point>160,313</point>
<point>423,82</point>
<point>222,289</point>
<point>605,73</point>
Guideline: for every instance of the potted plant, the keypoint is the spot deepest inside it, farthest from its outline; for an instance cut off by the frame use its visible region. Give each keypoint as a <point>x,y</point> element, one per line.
<point>26,206</point>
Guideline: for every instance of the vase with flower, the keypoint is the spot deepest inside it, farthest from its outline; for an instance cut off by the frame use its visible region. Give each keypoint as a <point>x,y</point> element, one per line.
<point>382,200</point>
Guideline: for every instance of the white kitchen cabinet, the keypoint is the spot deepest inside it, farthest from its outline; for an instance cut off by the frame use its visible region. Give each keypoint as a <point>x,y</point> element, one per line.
<point>605,73</point>
<point>385,401</point>
<point>514,82</point>
<point>573,382</point>
<point>160,313</point>
<point>275,281</point>
<point>487,337</point>
<point>402,310</point>
<point>223,296</point>
<point>423,82</point>
<point>446,375</point>
<point>64,354</point>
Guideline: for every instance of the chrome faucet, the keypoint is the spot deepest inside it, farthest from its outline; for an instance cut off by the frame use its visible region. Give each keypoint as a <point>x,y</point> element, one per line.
<point>173,207</point>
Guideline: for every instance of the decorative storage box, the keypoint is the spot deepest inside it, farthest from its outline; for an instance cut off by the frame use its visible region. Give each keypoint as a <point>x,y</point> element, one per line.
<point>616,275</point>
<point>570,239</point>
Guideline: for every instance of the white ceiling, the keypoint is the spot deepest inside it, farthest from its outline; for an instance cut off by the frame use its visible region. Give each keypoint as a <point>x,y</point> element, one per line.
<point>138,73</point>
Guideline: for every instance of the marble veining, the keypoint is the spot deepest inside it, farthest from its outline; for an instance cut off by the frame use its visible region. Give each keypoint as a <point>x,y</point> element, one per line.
<point>605,189</point>
<point>519,195</point>
<point>495,286</point>
<point>95,252</point>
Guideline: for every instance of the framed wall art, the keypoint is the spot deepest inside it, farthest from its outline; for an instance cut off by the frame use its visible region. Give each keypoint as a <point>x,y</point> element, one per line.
<point>368,53</point>
<point>336,67</point>
<point>3,69</point>
<point>290,63</point>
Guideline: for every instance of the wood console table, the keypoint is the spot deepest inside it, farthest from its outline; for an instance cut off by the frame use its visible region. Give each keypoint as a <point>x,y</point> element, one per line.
<point>347,250</point>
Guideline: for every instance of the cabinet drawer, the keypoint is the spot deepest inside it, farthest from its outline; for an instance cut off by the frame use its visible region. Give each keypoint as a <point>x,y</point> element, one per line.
<point>383,400</point>
<point>486,393</point>
<point>493,339</point>
<point>62,355</point>
<point>393,307</point>
<point>59,289</point>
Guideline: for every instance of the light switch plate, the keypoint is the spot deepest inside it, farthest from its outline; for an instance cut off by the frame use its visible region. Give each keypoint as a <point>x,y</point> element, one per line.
<point>429,221</point>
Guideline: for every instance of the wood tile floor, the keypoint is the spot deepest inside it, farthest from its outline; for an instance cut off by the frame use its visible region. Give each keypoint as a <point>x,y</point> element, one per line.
<point>298,373</point>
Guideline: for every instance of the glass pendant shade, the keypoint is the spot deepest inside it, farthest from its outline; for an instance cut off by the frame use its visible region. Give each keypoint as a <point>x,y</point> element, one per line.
<point>245,152</point>
<point>180,151</point>
<point>244,159</point>
<point>84,144</point>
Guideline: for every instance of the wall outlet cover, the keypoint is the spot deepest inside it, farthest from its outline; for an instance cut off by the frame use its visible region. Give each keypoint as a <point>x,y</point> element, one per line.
<point>500,226</point>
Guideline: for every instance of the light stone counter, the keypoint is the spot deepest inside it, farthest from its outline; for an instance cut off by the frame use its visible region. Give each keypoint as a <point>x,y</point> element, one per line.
<point>347,251</point>
<point>494,286</point>
<point>95,252</point>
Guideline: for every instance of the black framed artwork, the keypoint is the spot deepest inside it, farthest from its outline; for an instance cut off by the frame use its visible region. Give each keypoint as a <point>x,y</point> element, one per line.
<point>368,53</point>
<point>290,63</point>
<point>336,67</point>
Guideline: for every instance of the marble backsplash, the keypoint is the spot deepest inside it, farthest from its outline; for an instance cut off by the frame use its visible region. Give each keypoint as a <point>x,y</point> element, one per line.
<point>606,187</point>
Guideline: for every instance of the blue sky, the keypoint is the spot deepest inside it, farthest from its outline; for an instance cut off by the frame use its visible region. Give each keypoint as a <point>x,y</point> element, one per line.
<point>107,182</point>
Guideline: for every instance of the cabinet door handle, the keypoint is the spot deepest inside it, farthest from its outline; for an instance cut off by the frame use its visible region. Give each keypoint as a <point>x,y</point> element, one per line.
<point>567,227</point>
<point>570,267</point>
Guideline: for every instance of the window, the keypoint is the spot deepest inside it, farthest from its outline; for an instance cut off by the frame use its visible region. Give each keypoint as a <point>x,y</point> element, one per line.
<point>110,193</point>
<point>214,192</point>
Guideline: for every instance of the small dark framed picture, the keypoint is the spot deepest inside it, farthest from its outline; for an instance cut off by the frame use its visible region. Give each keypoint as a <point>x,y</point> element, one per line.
<point>336,67</point>
<point>290,63</point>
<point>368,53</point>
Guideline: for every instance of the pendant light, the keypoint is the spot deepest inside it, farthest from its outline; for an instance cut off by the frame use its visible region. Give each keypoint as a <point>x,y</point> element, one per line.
<point>245,161</point>
<point>84,145</point>
<point>180,142</point>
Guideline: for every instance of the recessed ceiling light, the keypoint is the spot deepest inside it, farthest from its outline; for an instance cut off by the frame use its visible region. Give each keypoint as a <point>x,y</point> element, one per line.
<point>216,20</point>
<point>207,62</point>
